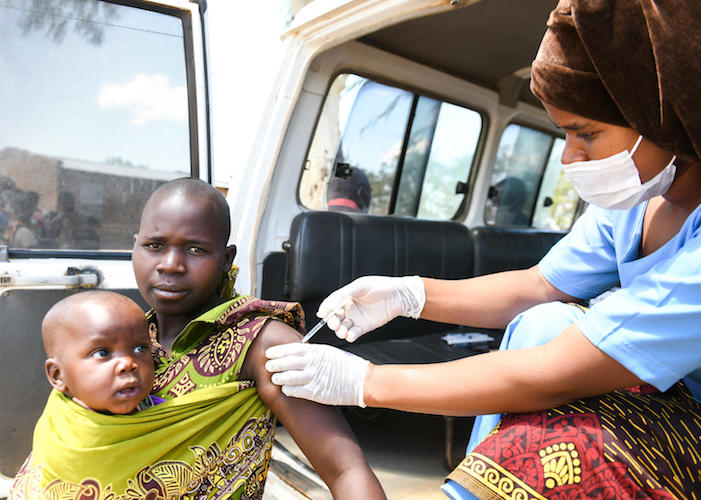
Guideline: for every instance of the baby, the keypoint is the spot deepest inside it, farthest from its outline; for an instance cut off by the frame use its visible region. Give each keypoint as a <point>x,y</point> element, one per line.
<point>98,352</point>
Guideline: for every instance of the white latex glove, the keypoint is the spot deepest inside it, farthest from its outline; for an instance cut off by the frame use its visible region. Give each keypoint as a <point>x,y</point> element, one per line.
<point>370,302</point>
<point>318,372</point>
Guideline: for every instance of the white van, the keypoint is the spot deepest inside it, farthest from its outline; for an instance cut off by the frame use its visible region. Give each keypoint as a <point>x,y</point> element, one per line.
<point>421,108</point>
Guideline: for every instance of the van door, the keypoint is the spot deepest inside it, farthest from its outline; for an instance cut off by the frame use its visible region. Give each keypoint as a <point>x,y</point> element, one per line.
<point>100,103</point>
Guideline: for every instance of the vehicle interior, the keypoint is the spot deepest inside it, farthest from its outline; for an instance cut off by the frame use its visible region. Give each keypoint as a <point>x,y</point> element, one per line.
<point>477,57</point>
<point>445,58</point>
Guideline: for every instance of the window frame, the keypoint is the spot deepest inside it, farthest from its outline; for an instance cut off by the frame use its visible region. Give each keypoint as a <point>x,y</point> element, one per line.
<point>416,92</point>
<point>196,111</point>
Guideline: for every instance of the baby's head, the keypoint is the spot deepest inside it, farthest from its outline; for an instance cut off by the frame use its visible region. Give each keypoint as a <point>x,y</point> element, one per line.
<point>98,351</point>
<point>180,251</point>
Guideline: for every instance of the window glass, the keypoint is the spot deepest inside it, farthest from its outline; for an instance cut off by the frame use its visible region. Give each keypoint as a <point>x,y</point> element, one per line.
<point>372,138</point>
<point>557,200</point>
<point>528,188</point>
<point>452,152</point>
<point>93,117</point>
<point>385,150</point>
<point>423,127</point>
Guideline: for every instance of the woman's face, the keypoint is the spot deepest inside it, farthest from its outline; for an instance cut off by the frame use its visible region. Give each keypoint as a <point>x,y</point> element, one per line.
<point>588,139</point>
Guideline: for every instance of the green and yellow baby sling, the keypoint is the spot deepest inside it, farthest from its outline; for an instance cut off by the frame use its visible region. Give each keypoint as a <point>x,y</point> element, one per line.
<point>212,441</point>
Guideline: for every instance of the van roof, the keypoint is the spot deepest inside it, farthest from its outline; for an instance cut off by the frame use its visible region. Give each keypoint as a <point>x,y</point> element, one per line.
<point>487,42</point>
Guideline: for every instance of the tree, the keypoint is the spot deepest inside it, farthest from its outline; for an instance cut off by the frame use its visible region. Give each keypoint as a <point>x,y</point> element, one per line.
<point>54,18</point>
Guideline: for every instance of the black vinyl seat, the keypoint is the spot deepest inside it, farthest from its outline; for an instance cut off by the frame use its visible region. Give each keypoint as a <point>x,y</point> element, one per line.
<point>327,250</point>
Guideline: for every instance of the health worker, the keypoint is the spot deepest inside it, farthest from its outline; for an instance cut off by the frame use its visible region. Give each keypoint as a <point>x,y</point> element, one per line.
<point>600,401</point>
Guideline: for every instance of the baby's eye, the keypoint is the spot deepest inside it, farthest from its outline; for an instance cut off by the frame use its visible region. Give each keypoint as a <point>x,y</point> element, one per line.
<point>100,353</point>
<point>197,250</point>
<point>587,136</point>
<point>140,349</point>
<point>153,245</point>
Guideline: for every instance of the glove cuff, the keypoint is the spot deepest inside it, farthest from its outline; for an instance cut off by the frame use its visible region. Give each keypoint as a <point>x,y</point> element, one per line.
<point>361,385</point>
<point>412,295</point>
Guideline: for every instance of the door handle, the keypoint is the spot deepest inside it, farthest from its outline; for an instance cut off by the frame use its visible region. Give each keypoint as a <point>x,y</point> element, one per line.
<point>73,278</point>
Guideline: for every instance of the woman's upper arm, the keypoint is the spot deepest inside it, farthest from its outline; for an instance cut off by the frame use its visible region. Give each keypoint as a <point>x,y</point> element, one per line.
<point>272,333</point>
<point>320,431</point>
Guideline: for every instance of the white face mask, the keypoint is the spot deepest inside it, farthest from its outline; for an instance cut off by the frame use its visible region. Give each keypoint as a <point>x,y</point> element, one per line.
<point>614,182</point>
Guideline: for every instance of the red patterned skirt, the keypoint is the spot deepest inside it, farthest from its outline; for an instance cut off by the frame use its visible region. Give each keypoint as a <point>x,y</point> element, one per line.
<point>633,443</point>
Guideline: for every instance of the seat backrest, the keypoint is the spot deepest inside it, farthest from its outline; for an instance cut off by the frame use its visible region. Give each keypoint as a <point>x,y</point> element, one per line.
<point>330,249</point>
<point>503,249</point>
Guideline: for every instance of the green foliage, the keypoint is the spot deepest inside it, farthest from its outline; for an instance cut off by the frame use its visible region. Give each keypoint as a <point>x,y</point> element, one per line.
<point>87,18</point>
<point>564,204</point>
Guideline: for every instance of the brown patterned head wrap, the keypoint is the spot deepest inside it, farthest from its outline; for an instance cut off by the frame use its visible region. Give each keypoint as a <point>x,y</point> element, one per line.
<point>635,63</point>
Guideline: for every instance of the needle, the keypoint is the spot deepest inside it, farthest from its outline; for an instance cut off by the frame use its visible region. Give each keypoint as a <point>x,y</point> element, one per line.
<point>321,323</point>
<point>316,328</point>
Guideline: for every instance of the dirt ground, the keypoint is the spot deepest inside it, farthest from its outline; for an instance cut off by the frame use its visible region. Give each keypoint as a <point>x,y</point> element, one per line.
<point>407,452</point>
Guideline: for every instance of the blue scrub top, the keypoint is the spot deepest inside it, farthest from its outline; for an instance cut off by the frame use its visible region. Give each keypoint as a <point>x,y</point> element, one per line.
<point>652,324</point>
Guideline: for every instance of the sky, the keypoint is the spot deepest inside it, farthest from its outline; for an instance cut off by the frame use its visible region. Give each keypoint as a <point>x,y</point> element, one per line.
<point>126,97</point>
<point>245,58</point>
<point>123,98</point>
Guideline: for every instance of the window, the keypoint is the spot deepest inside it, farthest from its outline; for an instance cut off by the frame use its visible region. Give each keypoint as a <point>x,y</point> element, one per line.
<point>384,150</point>
<point>528,187</point>
<point>93,117</point>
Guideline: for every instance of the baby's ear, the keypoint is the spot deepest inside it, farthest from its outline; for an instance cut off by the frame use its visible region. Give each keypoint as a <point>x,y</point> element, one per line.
<point>53,373</point>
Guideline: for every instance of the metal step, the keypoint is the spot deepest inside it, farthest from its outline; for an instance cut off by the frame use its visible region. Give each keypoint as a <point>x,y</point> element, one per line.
<point>290,478</point>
